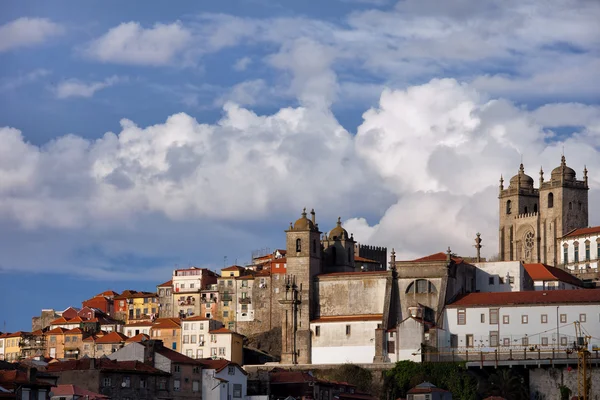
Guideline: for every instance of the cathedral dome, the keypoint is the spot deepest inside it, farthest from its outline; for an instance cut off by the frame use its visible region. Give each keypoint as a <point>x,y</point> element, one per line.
<point>557,173</point>
<point>338,232</point>
<point>303,223</point>
<point>521,180</point>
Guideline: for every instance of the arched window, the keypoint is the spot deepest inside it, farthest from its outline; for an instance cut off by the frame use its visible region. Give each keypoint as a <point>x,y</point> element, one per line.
<point>550,200</point>
<point>298,245</point>
<point>349,255</point>
<point>421,286</point>
<point>314,249</point>
<point>508,206</point>
<point>535,208</point>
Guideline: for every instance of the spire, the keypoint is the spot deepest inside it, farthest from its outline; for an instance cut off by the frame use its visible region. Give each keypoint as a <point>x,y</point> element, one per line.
<point>478,246</point>
<point>541,176</point>
<point>313,216</point>
<point>448,255</point>
<point>393,259</point>
<point>501,182</point>
<point>304,212</point>
<point>339,221</point>
<point>585,177</point>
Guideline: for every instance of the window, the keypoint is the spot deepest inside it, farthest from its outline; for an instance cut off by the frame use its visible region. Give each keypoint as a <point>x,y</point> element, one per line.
<point>176,385</point>
<point>231,370</point>
<point>174,345</point>
<point>192,338</point>
<point>550,200</point>
<point>126,382</point>
<point>483,318</point>
<point>566,254</point>
<point>195,386</point>
<point>225,314</point>
<point>146,311</point>
<point>563,341</point>
<point>189,353</point>
<point>570,205</point>
<point>587,250</point>
<point>582,317</point>
<point>174,333</point>
<point>99,347</point>
<point>470,341</point>
<point>544,341</point>
<point>162,384</point>
<point>422,286</point>
<point>506,342</point>
<point>505,319</point>
<point>298,245</point>
<point>525,341</point>
<point>186,338</point>
<point>461,316</point>
<point>176,368</point>
<point>213,338</point>
<point>494,338</point>
<point>576,257</point>
<point>200,353</point>
<point>524,319</point>
<point>67,339</point>
<point>347,329</point>
<point>191,285</point>
<point>183,285</point>
<point>143,384</point>
<point>237,390</point>
<point>544,318</point>
<point>106,382</point>
<point>563,318</point>
<point>491,280</point>
<point>213,351</point>
<point>511,280</point>
<point>244,283</point>
<point>221,351</point>
<point>314,246</point>
<point>493,316</point>
<point>244,294</point>
<point>508,207</point>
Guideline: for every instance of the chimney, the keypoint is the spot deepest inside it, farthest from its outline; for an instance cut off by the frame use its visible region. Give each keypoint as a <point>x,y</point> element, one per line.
<point>313,216</point>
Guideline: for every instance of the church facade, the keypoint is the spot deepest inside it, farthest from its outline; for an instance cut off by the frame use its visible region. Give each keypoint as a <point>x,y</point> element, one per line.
<point>533,220</point>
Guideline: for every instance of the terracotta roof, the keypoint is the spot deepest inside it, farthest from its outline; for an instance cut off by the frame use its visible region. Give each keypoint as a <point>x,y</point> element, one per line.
<point>543,272</point>
<point>349,318</point>
<point>133,294</point>
<point>233,268</point>
<point>77,319</point>
<point>107,293</point>
<point>382,273</point>
<point>141,323</point>
<point>113,337</point>
<point>249,276</point>
<point>140,337</point>
<point>72,390</point>
<point>59,321</point>
<point>196,318</point>
<point>167,323</point>
<point>17,334</point>
<point>525,298</point>
<point>441,256</point>
<point>56,331</point>
<point>366,260</point>
<point>584,231</point>
<point>176,357</point>
<point>11,379</point>
<point>104,364</point>
<point>224,330</point>
<point>219,365</point>
<point>167,283</point>
<point>74,331</point>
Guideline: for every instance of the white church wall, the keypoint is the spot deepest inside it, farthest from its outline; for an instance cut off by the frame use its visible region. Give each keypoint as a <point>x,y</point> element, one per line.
<point>334,345</point>
<point>497,276</point>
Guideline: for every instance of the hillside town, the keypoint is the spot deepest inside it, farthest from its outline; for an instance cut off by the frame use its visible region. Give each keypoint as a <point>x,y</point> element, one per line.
<point>261,330</point>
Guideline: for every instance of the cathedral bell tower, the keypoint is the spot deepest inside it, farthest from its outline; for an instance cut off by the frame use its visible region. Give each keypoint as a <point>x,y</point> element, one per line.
<point>338,248</point>
<point>303,263</point>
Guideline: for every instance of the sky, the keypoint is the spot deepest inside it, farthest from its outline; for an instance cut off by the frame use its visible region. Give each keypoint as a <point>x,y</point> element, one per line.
<point>139,137</point>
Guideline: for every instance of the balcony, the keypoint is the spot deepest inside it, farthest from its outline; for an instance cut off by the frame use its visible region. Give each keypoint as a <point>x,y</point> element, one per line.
<point>245,300</point>
<point>187,302</point>
<point>226,298</point>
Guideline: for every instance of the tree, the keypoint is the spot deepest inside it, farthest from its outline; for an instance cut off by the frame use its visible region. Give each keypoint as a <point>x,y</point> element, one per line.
<point>506,384</point>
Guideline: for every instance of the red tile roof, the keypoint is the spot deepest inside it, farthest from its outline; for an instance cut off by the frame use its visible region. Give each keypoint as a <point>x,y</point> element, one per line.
<point>104,364</point>
<point>528,298</point>
<point>584,231</point>
<point>218,365</point>
<point>17,334</point>
<point>167,323</point>
<point>141,323</point>
<point>11,379</point>
<point>113,337</point>
<point>75,320</point>
<point>224,330</point>
<point>72,390</point>
<point>167,283</point>
<point>196,318</point>
<point>74,331</point>
<point>108,293</point>
<point>140,337</point>
<point>176,357</point>
<point>441,256</point>
<point>131,294</point>
<point>543,272</point>
<point>365,260</point>
<point>233,268</point>
<point>56,331</point>
<point>59,321</point>
<point>349,318</point>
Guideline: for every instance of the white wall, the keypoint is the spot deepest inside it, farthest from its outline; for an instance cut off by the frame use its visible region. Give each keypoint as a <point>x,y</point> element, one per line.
<point>334,346</point>
<point>214,389</point>
<point>594,256</point>
<point>554,331</point>
<point>553,285</point>
<point>129,331</point>
<point>2,344</point>
<point>201,330</point>
<point>499,270</point>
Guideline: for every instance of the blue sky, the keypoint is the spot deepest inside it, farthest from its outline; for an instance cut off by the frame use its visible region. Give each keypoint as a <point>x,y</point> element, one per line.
<point>136,137</point>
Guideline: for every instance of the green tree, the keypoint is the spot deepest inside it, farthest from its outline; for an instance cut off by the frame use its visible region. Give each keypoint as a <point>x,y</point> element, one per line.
<point>506,384</point>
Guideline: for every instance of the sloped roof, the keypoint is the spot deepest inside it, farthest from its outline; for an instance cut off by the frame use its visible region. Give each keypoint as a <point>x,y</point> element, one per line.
<point>426,387</point>
<point>224,330</point>
<point>104,364</point>
<point>167,283</point>
<point>140,337</point>
<point>543,272</point>
<point>72,390</point>
<point>233,268</point>
<point>107,293</point>
<point>176,357</point>
<point>528,298</point>
<point>113,337</point>
<point>365,260</point>
<point>11,379</point>
<point>583,232</point>
<point>59,321</point>
<point>56,331</point>
<point>196,318</point>
<point>74,331</point>
<point>140,323</point>
<point>166,323</point>
<point>219,365</point>
<point>441,256</point>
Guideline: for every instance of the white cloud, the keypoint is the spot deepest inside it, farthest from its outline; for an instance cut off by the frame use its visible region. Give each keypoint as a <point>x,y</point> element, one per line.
<point>24,79</point>
<point>247,93</point>
<point>242,63</point>
<point>25,32</point>
<point>130,43</point>
<point>76,88</point>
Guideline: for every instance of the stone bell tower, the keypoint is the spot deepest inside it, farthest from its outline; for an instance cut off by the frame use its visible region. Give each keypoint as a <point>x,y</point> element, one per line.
<point>303,263</point>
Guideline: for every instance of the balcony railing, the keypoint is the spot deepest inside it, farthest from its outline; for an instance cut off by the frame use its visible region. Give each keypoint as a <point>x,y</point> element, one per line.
<point>226,298</point>
<point>245,300</point>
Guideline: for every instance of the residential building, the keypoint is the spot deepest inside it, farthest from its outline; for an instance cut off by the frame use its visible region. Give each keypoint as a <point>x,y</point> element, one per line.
<point>33,344</point>
<point>168,330</point>
<point>545,277</point>
<point>165,300</point>
<point>75,322</point>
<point>501,276</point>
<point>519,320</point>
<point>223,380</point>
<point>428,391</point>
<point>187,285</point>
<point>195,336</point>
<point>228,295</point>
<point>102,301</point>
<point>533,220</point>
<point>17,384</point>
<point>135,328</point>
<point>133,306</point>
<point>73,343</point>
<point>244,308</point>
<point>226,344</point>
<point>55,344</point>
<point>109,343</point>
<point>303,385</point>
<point>115,379</point>
<point>209,301</point>
<point>12,345</point>
<point>73,392</point>
<point>580,251</point>
<point>186,375</point>
<point>2,344</point>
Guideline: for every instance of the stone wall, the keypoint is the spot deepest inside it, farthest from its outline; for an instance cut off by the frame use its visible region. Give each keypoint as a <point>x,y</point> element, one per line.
<point>545,382</point>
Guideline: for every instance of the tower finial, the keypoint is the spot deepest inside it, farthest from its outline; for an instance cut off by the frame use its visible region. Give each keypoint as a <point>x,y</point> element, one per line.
<point>585,177</point>
<point>304,212</point>
<point>313,216</point>
<point>501,182</point>
<point>339,221</point>
<point>541,176</point>
<point>393,259</point>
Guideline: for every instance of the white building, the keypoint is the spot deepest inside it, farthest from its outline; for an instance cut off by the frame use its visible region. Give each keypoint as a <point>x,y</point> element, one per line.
<point>136,328</point>
<point>2,340</point>
<point>195,336</point>
<point>344,339</point>
<point>520,320</point>
<point>545,277</point>
<point>581,249</point>
<point>501,276</point>
<point>223,380</point>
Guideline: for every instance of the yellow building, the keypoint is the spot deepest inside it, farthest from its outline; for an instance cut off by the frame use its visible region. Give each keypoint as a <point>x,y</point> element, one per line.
<point>55,342</point>
<point>169,331</point>
<point>12,348</point>
<point>134,306</point>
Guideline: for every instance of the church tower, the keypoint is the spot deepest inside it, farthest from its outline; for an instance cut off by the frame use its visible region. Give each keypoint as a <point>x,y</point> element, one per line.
<point>303,263</point>
<point>519,219</point>
<point>338,248</point>
<point>564,207</point>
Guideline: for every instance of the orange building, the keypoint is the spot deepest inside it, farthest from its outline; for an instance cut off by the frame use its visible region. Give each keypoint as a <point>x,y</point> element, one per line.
<point>169,331</point>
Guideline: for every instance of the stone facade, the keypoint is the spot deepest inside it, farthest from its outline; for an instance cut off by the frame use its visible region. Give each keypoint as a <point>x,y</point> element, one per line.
<point>532,221</point>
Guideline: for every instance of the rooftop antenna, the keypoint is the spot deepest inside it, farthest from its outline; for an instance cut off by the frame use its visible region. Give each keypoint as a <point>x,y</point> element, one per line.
<point>224,261</point>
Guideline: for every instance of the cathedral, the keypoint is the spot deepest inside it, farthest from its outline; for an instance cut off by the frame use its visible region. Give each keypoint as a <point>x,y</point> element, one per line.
<point>533,220</point>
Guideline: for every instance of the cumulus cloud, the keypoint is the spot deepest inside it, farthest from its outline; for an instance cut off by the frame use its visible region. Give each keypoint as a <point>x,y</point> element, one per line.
<point>77,88</point>
<point>25,32</point>
<point>242,63</point>
<point>130,43</point>
<point>24,79</point>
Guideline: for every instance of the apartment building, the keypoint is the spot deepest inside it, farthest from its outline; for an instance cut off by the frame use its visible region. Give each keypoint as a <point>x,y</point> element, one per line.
<point>187,286</point>
<point>195,336</point>
<point>580,250</point>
